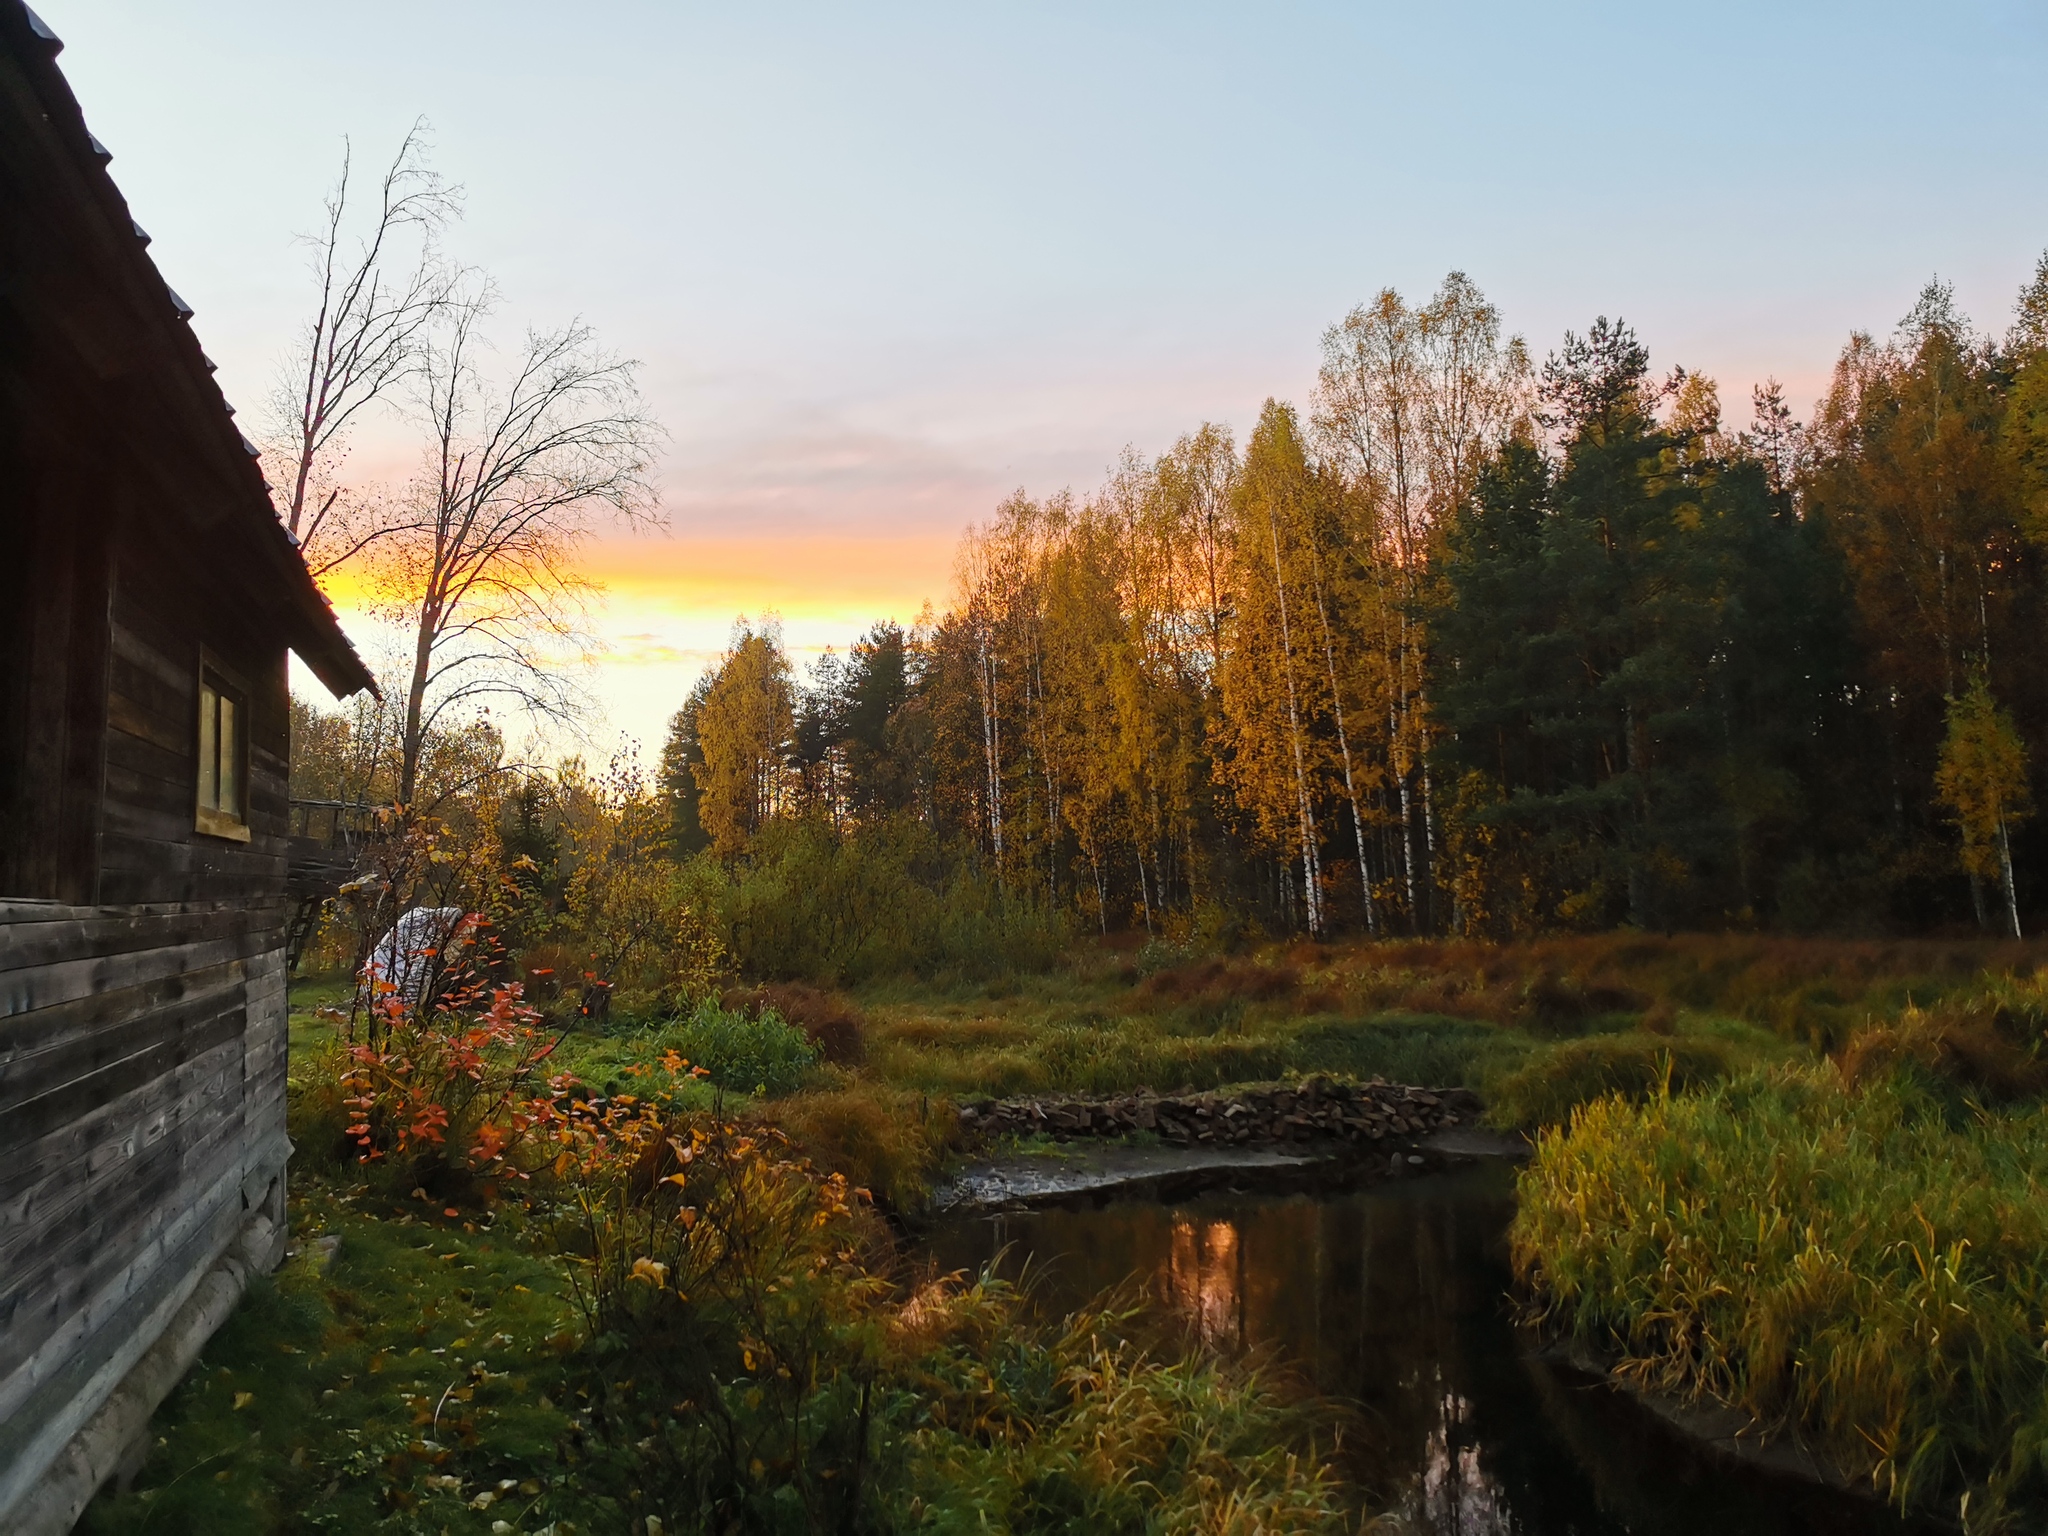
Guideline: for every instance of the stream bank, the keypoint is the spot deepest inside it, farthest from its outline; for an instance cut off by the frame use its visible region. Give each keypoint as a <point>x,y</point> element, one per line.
<point>1384,1285</point>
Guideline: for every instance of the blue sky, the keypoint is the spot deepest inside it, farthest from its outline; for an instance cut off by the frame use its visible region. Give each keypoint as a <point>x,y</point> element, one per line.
<point>884,262</point>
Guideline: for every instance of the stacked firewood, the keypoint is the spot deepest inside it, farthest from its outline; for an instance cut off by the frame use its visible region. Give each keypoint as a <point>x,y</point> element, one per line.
<point>1317,1109</point>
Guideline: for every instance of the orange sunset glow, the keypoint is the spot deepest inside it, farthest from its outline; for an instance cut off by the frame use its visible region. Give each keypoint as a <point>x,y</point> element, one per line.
<point>844,579</point>
<point>666,603</point>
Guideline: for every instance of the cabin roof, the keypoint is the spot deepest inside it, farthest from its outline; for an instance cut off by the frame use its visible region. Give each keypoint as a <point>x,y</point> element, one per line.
<point>234,515</point>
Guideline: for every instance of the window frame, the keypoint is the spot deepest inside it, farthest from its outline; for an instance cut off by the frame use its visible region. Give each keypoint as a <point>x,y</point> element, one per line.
<point>224,683</point>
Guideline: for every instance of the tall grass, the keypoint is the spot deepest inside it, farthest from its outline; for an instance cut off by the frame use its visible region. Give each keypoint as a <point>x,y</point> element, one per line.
<point>1005,1426</point>
<point>764,1373</point>
<point>1850,1261</point>
<point>1816,991</point>
<point>1555,1080</point>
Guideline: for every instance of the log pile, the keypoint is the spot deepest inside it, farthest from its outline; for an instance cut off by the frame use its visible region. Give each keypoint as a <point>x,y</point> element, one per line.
<point>1314,1110</point>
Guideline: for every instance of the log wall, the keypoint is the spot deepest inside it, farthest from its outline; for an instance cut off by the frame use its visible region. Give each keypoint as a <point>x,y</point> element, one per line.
<point>142,992</point>
<point>142,1124</point>
<point>149,850</point>
<point>142,1005</point>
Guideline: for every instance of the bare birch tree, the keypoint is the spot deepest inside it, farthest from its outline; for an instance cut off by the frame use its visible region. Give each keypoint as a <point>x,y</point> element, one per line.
<point>521,470</point>
<point>380,291</point>
<point>1409,403</point>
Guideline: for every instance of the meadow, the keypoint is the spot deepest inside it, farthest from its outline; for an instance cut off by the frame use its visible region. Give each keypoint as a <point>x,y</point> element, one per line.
<point>1768,1169</point>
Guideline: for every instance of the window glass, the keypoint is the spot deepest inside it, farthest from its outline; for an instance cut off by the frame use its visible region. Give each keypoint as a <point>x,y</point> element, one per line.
<point>221,786</point>
<point>209,746</point>
<point>230,759</point>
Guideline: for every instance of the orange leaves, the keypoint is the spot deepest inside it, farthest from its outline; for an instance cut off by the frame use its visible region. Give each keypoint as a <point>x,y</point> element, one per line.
<point>659,1210</point>
<point>438,1080</point>
<point>429,1123</point>
<point>491,1141</point>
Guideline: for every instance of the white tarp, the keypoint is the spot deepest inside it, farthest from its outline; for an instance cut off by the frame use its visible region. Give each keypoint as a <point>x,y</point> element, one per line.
<point>411,954</point>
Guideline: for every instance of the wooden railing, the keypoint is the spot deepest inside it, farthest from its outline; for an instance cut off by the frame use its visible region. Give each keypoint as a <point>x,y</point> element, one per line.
<point>332,824</point>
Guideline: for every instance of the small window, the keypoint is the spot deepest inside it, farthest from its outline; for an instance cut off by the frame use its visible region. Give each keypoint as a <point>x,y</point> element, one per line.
<point>223,725</point>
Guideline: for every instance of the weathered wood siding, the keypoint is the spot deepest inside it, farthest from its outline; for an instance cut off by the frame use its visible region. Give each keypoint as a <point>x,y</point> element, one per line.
<point>142,1007</point>
<point>142,1122</point>
<point>149,850</point>
<point>142,1037</point>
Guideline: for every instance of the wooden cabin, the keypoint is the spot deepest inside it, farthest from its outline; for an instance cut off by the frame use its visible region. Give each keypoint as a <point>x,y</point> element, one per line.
<point>148,597</point>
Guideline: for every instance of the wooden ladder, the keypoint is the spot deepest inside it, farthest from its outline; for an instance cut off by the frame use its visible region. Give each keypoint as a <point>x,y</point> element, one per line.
<point>305,918</point>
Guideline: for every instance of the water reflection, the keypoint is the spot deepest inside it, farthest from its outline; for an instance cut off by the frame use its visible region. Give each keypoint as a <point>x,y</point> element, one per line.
<point>1204,1282</point>
<point>1393,1299</point>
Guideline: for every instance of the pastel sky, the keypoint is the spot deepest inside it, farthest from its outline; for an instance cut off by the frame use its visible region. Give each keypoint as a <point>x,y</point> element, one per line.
<point>883,263</point>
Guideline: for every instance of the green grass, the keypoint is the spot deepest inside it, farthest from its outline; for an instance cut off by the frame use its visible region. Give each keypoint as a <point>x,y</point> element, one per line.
<point>1003,1427</point>
<point>314,1408</point>
<point>1554,1079</point>
<point>1859,1261</point>
<point>1774,1239</point>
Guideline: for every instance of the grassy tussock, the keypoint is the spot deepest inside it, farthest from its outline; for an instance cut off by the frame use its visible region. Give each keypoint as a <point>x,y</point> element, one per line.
<point>1846,1259</point>
<point>834,1025</point>
<point>1550,1084</point>
<point>1009,1429</point>
<point>886,1140</point>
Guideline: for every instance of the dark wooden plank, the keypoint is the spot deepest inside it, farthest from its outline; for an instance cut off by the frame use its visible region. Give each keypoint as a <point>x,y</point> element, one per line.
<point>89,1230</point>
<point>51,1166</point>
<point>28,909</point>
<point>172,703</point>
<point>129,720</point>
<point>64,981</point>
<point>136,649</point>
<point>32,1118</point>
<point>198,1100</point>
<point>127,819</point>
<point>98,932</point>
<point>250,861</point>
<point>172,765</point>
<point>171,797</point>
<point>146,869</point>
<point>51,1402</point>
<point>70,1044</point>
<point>96,1241</point>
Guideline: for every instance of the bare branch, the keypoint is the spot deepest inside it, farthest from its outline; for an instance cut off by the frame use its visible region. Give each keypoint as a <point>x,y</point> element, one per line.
<point>519,472</point>
<point>365,338</point>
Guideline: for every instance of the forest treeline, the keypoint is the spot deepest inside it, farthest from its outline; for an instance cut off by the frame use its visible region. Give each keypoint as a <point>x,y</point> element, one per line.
<point>1469,645</point>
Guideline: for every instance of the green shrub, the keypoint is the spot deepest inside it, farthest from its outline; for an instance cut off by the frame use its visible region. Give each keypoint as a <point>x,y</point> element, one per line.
<point>886,1140</point>
<point>744,1052</point>
<point>810,903</point>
